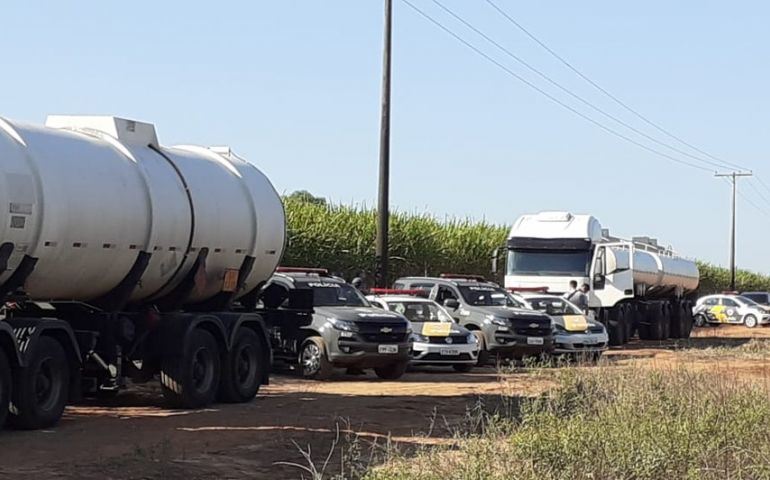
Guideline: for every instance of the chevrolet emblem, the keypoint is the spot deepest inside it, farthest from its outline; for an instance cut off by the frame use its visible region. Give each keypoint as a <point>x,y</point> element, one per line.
<point>533,325</point>
<point>386,330</point>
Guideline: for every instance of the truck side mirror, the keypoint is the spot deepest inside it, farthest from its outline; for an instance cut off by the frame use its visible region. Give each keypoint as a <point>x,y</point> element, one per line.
<point>495,256</point>
<point>451,303</point>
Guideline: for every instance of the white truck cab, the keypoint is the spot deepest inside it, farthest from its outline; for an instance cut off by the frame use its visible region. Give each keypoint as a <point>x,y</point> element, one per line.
<point>631,282</point>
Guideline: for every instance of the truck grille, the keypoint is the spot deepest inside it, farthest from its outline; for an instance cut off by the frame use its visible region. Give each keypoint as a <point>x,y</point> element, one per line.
<point>373,332</point>
<point>522,326</point>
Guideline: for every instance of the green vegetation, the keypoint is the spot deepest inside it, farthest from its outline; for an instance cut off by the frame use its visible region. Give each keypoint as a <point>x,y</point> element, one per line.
<point>341,238</point>
<point>610,423</point>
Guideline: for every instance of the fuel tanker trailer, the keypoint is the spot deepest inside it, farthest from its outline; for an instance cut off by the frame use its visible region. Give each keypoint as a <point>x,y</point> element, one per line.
<point>634,285</point>
<point>124,259</point>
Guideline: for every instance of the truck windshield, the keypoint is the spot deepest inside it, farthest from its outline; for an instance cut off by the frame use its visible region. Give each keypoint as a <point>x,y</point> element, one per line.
<point>333,294</point>
<point>487,296</point>
<point>420,311</point>
<point>548,262</point>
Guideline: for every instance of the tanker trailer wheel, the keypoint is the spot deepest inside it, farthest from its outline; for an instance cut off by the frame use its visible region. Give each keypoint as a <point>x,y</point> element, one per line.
<point>688,320</point>
<point>677,321</point>
<point>313,362</point>
<point>43,388</point>
<point>243,370</point>
<point>5,388</point>
<point>658,321</point>
<point>192,379</point>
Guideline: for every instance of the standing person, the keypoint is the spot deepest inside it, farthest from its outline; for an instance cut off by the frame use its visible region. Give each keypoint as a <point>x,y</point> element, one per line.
<point>361,282</point>
<point>571,292</point>
<point>581,300</point>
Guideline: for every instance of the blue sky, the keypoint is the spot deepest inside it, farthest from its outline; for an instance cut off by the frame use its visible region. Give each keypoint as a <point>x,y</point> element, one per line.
<point>294,87</point>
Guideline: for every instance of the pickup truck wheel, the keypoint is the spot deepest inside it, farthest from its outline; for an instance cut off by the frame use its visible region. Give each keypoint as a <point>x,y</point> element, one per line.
<point>192,379</point>
<point>483,358</point>
<point>5,388</point>
<point>243,370</point>
<point>394,371</point>
<point>42,391</point>
<point>463,367</point>
<point>750,321</point>
<point>313,362</point>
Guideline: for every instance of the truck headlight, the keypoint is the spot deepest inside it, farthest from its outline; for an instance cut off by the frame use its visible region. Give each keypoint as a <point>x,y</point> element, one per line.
<point>343,325</point>
<point>499,321</point>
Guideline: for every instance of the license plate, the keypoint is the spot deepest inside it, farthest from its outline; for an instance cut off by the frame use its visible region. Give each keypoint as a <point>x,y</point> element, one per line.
<point>534,341</point>
<point>449,351</point>
<point>388,349</point>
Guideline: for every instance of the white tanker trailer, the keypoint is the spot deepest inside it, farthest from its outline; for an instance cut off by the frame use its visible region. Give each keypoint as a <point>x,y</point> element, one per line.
<point>634,285</point>
<point>123,258</point>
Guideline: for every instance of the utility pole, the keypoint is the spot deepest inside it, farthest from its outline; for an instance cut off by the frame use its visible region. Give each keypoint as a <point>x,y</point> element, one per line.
<point>383,213</point>
<point>733,176</point>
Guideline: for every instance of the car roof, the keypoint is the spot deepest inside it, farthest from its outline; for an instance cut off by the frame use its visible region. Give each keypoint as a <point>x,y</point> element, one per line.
<point>400,298</point>
<point>457,281</point>
<point>308,277</point>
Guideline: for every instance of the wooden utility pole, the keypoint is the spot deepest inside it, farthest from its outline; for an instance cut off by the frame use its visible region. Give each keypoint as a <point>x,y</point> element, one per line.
<point>733,176</point>
<point>383,213</point>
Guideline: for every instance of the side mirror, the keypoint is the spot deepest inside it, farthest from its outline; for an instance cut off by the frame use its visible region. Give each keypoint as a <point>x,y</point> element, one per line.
<point>495,256</point>
<point>452,303</point>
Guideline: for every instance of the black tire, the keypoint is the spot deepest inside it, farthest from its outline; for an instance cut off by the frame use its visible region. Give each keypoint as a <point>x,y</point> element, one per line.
<point>5,387</point>
<point>483,358</point>
<point>700,320</point>
<point>658,321</point>
<point>463,367</point>
<point>41,392</point>
<point>687,319</point>
<point>750,321</point>
<point>631,322</point>
<point>244,368</point>
<point>677,321</point>
<point>192,379</point>
<point>616,326</point>
<point>666,319</point>
<point>313,362</point>
<point>394,371</point>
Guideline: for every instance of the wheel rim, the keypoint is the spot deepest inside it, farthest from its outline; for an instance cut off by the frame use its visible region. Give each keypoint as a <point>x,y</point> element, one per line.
<point>751,322</point>
<point>48,384</point>
<point>245,365</point>
<point>202,370</point>
<point>311,359</point>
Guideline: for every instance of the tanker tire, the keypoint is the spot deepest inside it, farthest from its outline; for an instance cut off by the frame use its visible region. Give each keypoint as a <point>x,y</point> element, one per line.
<point>192,380</point>
<point>5,387</point>
<point>688,319</point>
<point>631,322</point>
<point>394,371</point>
<point>42,388</point>
<point>657,319</point>
<point>666,319</point>
<point>243,369</point>
<point>677,321</point>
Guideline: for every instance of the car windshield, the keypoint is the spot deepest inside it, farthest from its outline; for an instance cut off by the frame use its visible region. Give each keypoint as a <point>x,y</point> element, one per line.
<point>420,311</point>
<point>487,296</point>
<point>548,262</point>
<point>553,306</point>
<point>334,294</point>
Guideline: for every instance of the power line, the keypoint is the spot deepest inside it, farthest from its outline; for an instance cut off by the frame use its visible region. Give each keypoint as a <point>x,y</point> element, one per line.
<point>758,192</point>
<point>604,91</point>
<point>570,93</point>
<point>548,95</point>
<point>762,182</point>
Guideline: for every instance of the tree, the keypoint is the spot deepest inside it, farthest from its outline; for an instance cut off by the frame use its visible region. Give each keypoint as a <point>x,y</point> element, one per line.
<point>305,196</point>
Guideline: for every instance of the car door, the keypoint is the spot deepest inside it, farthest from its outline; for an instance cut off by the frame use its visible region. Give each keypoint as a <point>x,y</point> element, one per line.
<point>731,310</point>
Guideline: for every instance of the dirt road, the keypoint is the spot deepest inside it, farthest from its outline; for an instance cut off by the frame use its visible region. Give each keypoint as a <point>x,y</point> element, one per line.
<point>133,436</point>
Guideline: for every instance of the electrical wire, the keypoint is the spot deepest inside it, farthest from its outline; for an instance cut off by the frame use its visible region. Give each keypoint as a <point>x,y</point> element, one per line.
<point>571,93</point>
<point>548,95</point>
<point>606,92</point>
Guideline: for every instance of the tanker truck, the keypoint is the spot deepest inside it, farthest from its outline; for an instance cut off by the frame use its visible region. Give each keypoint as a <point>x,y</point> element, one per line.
<point>124,259</point>
<point>635,286</point>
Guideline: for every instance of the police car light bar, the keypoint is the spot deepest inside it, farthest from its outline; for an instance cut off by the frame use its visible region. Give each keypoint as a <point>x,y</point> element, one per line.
<point>528,289</point>
<point>394,291</point>
<point>319,271</point>
<point>459,276</point>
